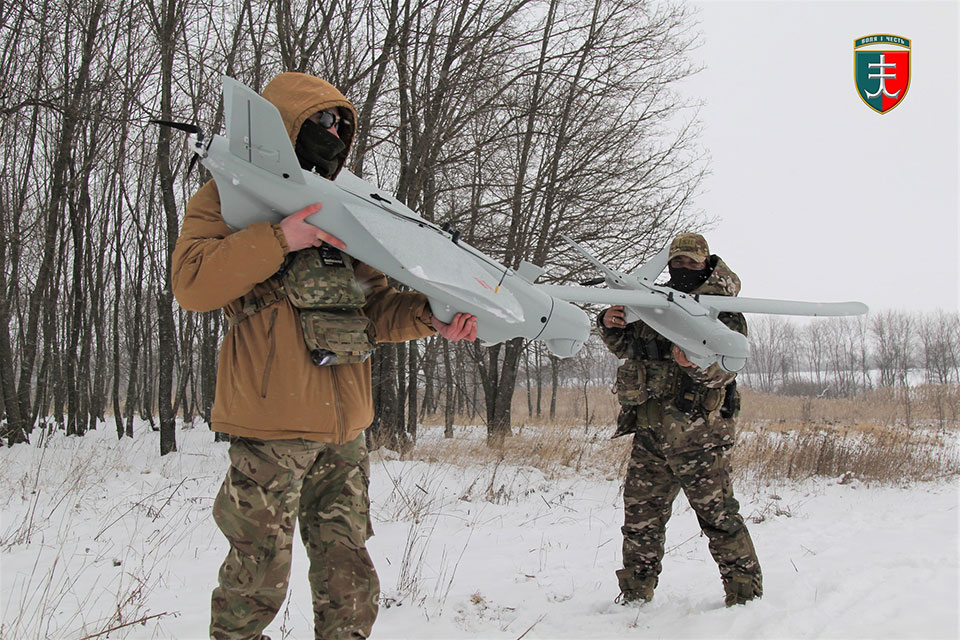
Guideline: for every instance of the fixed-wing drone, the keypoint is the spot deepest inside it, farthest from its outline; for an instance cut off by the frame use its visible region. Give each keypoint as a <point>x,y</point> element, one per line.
<point>689,321</point>
<point>259,179</point>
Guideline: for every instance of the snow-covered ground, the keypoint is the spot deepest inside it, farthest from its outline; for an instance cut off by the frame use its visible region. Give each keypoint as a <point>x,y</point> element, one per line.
<point>97,533</point>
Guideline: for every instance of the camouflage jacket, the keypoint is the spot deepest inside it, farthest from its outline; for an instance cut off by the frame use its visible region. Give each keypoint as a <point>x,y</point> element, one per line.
<point>649,370</point>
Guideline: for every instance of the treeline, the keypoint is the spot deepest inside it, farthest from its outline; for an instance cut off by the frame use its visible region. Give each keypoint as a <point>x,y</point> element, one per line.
<point>513,120</point>
<point>848,356</point>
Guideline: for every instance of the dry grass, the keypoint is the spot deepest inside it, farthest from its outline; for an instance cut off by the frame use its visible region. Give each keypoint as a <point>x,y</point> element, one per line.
<point>895,455</point>
<point>556,450</point>
<point>883,436</point>
<point>884,408</point>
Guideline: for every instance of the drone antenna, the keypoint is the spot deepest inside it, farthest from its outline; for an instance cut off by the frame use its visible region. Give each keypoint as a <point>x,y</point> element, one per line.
<point>505,269</point>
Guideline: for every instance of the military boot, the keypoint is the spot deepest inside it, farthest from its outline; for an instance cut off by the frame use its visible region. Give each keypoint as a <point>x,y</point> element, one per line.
<point>741,588</point>
<point>634,587</point>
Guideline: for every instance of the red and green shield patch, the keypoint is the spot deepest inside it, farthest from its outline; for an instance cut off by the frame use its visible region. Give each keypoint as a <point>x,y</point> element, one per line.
<point>882,70</point>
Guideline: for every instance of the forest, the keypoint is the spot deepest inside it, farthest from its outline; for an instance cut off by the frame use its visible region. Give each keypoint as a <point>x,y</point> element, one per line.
<point>512,120</point>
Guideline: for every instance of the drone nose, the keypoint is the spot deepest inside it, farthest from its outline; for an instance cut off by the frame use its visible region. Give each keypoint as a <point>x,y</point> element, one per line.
<point>732,363</point>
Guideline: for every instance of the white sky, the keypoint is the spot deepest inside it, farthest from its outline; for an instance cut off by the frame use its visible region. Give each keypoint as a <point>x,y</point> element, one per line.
<point>818,196</point>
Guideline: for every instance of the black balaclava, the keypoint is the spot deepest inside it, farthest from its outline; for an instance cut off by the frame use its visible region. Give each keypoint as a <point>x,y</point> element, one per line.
<point>687,280</point>
<point>318,149</point>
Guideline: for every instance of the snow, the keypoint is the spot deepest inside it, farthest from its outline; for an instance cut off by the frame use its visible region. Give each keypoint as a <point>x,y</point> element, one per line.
<point>96,533</point>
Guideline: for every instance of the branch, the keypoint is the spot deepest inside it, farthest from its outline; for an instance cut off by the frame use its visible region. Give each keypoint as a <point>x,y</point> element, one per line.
<point>126,624</point>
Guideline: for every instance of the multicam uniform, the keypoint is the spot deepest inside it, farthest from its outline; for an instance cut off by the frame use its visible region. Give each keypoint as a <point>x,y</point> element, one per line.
<point>683,419</point>
<point>297,450</point>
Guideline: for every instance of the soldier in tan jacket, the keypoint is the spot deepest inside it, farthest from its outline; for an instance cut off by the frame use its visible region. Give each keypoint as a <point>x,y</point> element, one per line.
<point>296,411</point>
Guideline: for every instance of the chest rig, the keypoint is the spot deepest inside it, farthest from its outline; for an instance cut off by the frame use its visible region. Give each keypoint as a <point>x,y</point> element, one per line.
<point>651,373</point>
<point>648,371</point>
<point>321,285</point>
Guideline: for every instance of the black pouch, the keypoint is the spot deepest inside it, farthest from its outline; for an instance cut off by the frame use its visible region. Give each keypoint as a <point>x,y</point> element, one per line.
<point>731,402</point>
<point>626,421</point>
<point>687,396</point>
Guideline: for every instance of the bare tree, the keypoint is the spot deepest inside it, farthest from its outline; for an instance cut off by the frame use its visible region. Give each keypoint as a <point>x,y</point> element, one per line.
<point>941,345</point>
<point>769,340</point>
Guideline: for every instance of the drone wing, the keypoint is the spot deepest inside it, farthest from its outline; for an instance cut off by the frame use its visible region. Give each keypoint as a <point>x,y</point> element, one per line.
<point>585,295</point>
<point>783,307</point>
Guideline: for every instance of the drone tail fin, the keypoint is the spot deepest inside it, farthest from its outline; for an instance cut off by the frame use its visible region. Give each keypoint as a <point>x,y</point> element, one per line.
<point>257,133</point>
<point>614,279</point>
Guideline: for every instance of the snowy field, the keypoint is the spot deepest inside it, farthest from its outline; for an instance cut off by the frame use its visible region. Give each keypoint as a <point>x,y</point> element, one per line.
<point>97,533</point>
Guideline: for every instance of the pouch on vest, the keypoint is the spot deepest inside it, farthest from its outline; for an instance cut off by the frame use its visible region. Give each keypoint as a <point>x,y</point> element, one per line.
<point>631,387</point>
<point>693,395</point>
<point>322,278</point>
<point>626,421</point>
<point>650,414</point>
<point>731,402</point>
<point>321,284</point>
<point>336,337</point>
<point>660,377</point>
<point>712,400</point>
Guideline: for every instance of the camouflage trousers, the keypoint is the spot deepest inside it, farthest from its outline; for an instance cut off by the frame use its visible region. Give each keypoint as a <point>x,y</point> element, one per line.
<point>654,478</point>
<point>269,486</point>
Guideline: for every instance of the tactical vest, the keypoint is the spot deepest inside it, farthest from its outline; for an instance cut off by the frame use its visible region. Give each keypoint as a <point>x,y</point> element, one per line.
<point>652,374</point>
<point>321,284</point>
<point>647,372</point>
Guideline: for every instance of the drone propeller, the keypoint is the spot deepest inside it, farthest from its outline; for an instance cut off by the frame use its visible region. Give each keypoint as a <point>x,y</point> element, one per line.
<point>183,126</point>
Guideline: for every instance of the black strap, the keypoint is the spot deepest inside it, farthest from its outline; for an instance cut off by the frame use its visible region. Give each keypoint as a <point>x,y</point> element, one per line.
<point>256,305</point>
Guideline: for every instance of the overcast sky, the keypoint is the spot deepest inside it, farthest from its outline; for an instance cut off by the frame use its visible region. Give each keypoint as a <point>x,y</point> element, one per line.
<point>818,196</point>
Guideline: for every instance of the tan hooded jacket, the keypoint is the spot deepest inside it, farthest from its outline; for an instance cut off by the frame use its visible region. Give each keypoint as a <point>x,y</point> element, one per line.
<point>267,387</point>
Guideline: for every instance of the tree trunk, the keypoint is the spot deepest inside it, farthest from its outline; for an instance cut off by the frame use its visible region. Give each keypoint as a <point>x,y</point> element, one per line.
<point>117,284</point>
<point>413,353</point>
<point>555,380</point>
<point>526,367</point>
<point>14,430</point>
<point>76,425</point>
<point>133,325</point>
<point>399,427</point>
<point>167,23</point>
<point>498,391</point>
<point>449,396</point>
<point>383,432</point>
<point>539,382</point>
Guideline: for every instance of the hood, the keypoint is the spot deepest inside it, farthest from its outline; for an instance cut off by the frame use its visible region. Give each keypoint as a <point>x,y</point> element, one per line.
<point>298,96</point>
<point>722,280</point>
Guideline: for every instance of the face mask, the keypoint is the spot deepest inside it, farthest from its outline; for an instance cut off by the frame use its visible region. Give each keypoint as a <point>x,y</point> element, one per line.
<point>317,149</point>
<point>686,280</point>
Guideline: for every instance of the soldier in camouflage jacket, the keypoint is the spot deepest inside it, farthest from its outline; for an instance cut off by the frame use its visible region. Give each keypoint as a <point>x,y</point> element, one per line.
<point>682,418</point>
